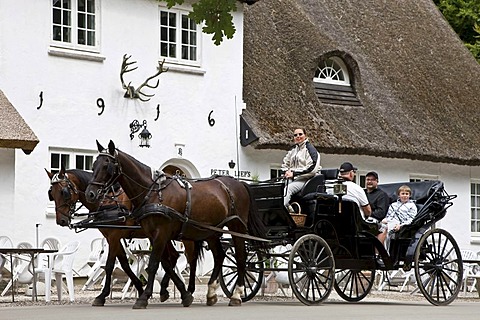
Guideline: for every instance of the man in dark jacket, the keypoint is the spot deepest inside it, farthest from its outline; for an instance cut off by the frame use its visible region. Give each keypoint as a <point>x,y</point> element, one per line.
<point>378,199</point>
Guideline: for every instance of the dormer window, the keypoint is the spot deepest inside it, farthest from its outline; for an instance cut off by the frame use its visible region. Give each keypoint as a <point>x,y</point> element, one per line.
<point>333,71</point>
<point>332,83</point>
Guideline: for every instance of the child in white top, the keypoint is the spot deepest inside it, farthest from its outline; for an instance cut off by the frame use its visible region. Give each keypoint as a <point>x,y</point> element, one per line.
<point>399,213</point>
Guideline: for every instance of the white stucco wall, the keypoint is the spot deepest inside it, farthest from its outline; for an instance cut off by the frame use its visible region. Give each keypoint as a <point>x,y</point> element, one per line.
<point>68,117</point>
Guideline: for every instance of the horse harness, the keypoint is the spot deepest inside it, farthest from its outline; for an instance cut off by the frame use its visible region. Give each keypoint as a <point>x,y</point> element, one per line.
<point>110,211</point>
<point>160,209</point>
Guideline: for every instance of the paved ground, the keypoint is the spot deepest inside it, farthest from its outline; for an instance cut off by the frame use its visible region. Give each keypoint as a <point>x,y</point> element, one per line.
<point>86,297</point>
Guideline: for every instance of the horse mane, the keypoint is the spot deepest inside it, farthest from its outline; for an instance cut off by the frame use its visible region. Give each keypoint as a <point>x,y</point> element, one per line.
<point>83,177</point>
<point>143,166</point>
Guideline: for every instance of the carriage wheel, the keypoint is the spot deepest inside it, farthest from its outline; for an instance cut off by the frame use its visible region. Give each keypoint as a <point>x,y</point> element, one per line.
<point>438,267</point>
<point>253,275</point>
<point>311,269</point>
<point>354,285</point>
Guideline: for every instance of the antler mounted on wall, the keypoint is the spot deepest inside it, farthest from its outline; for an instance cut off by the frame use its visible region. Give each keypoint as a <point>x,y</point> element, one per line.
<point>133,93</point>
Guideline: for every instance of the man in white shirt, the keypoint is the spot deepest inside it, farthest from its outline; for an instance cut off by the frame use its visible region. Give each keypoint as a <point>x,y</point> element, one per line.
<point>354,191</point>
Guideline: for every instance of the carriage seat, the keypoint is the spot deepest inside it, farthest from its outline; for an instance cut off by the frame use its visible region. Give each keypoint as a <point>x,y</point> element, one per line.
<point>317,183</point>
<point>421,191</point>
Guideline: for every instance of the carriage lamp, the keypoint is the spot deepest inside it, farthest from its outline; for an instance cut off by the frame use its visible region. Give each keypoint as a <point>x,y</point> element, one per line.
<point>144,135</point>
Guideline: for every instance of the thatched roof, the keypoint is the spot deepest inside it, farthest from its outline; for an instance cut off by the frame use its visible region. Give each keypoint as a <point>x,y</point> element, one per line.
<point>418,85</point>
<point>15,132</point>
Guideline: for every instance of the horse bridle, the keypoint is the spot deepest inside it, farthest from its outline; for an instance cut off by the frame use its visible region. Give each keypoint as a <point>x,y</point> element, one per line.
<point>66,193</point>
<point>115,170</point>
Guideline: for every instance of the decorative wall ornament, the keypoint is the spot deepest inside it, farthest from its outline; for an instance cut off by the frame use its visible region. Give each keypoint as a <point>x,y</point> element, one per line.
<point>101,105</point>
<point>133,93</point>
<point>211,121</point>
<point>144,136</point>
<point>158,112</point>
<point>41,100</point>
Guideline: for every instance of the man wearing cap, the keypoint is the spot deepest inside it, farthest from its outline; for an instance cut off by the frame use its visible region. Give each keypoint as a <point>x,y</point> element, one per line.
<point>354,191</point>
<point>379,200</point>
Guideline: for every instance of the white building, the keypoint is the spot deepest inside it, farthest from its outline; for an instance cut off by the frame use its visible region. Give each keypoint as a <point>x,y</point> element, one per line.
<point>64,80</point>
<point>56,74</point>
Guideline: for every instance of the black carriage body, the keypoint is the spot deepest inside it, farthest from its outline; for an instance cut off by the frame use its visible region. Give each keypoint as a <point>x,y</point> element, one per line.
<point>336,234</point>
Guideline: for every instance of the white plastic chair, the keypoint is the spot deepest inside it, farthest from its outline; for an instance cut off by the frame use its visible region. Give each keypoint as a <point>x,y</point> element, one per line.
<point>97,260</point>
<point>21,271</point>
<point>50,243</point>
<point>469,269</point>
<point>61,266</point>
<point>139,263</point>
<point>5,268</point>
<point>396,278</point>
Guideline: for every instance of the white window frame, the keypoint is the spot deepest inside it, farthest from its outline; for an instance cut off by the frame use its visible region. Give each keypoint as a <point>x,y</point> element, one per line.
<point>475,199</point>
<point>72,155</point>
<point>277,169</point>
<point>334,69</point>
<point>422,177</point>
<point>179,12</point>
<point>74,45</point>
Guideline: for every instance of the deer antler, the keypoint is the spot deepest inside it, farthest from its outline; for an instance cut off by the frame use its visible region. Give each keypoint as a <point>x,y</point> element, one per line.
<point>138,92</point>
<point>124,69</point>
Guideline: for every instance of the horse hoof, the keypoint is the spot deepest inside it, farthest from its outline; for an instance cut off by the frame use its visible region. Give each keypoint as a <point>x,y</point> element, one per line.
<point>140,304</point>
<point>164,297</point>
<point>235,302</point>
<point>98,302</point>
<point>187,301</point>
<point>212,300</point>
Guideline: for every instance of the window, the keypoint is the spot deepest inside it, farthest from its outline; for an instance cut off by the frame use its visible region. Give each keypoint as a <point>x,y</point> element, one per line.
<point>75,24</point>
<point>276,173</point>
<point>332,83</point>
<point>475,207</point>
<point>82,160</point>
<point>179,37</point>
<point>333,71</point>
<point>71,159</point>
<point>423,177</point>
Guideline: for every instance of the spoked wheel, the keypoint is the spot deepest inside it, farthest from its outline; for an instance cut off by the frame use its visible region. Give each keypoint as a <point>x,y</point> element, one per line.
<point>253,275</point>
<point>438,267</point>
<point>311,269</point>
<point>354,285</point>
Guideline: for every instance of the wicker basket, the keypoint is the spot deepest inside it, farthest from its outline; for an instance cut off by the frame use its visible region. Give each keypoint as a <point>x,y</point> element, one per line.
<point>299,218</point>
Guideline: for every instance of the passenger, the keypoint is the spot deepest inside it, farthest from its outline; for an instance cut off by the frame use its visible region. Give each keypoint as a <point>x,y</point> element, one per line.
<point>301,163</point>
<point>354,191</point>
<point>378,199</point>
<point>399,213</point>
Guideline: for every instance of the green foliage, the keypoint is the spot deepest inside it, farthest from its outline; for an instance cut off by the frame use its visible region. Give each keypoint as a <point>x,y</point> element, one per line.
<point>215,13</point>
<point>464,17</point>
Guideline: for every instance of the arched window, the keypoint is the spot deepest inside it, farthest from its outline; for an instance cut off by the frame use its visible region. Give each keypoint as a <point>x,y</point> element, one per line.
<point>332,83</point>
<point>332,70</point>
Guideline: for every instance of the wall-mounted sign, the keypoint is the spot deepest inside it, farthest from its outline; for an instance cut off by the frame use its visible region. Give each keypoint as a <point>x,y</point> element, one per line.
<point>229,172</point>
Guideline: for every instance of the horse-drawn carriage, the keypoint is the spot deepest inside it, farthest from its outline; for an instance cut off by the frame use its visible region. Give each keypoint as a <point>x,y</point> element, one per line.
<point>337,248</point>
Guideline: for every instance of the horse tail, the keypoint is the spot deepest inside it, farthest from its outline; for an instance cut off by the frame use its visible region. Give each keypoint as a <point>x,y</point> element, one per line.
<point>255,225</point>
<point>199,250</point>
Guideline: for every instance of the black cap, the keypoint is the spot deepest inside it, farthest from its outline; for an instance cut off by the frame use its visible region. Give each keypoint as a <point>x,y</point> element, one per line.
<point>347,166</point>
<point>372,173</point>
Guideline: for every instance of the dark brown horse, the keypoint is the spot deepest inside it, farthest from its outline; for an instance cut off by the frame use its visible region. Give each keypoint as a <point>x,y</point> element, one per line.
<point>170,208</point>
<point>68,187</point>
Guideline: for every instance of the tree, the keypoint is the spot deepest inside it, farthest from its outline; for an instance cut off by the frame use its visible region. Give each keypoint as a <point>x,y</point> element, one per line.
<point>464,17</point>
<point>217,15</point>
